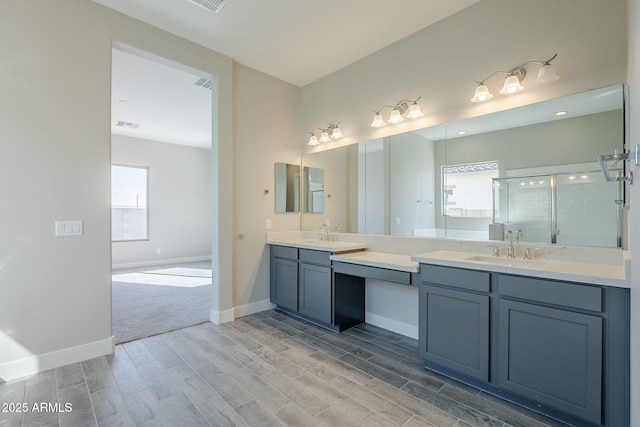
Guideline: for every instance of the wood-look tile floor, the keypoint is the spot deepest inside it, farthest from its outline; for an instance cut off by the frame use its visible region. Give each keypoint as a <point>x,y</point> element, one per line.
<point>267,369</point>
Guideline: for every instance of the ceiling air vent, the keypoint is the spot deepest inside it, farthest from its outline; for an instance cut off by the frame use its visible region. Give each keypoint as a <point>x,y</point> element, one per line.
<point>127,125</point>
<point>203,83</point>
<point>213,5</point>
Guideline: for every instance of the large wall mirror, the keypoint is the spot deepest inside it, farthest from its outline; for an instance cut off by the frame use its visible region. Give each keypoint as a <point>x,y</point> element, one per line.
<point>532,170</point>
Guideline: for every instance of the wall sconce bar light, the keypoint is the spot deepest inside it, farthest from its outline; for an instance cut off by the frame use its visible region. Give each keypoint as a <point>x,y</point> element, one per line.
<point>326,134</point>
<point>400,110</point>
<point>514,78</point>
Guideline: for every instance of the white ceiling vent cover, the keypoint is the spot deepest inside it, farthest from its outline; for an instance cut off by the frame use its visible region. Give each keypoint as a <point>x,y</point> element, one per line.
<point>203,83</point>
<point>128,125</point>
<point>213,5</point>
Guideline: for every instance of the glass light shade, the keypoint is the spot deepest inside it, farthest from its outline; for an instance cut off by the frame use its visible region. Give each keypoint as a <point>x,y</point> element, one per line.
<point>337,133</point>
<point>395,116</point>
<point>482,94</point>
<point>324,136</point>
<point>511,85</point>
<point>547,74</point>
<point>313,140</point>
<point>378,121</point>
<point>414,111</point>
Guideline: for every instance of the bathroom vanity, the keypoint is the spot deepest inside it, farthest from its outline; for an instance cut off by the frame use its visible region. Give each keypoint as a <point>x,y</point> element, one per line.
<point>303,283</point>
<point>558,347</point>
<point>550,333</point>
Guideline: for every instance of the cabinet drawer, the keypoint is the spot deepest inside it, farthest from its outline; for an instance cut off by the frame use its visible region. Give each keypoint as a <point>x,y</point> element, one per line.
<point>284,252</point>
<point>394,276</point>
<point>315,257</point>
<point>551,292</point>
<point>455,277</point>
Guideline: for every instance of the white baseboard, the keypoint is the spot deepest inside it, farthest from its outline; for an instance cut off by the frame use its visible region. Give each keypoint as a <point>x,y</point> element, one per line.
<point>154,263</point>
<point>392,325</point>
<point>254,307</point>
<point>220,317</point>
<point>31,365</point>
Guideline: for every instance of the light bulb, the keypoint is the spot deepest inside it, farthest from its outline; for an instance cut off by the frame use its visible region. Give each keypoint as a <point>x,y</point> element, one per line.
<point>414,111</point>
<point>547,74</point>
<point>337,133</point>
<point>395,116</point>
<point>482,93</point>
<point>378,121</point>
<point>324,136</point>
<point>511,85</point>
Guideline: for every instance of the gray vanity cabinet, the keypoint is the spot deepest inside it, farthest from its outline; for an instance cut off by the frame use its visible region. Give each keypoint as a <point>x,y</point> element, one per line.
<point>552,356</point>
<point>558,347</point>
<point>315,290</point>
<point>303,283</point>
<point>454,320</point>
<point>550,343</point>
<point>284,277</point>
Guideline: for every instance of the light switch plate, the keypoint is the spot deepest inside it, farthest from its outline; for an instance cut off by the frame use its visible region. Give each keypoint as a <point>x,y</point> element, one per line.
<point>68,228</point>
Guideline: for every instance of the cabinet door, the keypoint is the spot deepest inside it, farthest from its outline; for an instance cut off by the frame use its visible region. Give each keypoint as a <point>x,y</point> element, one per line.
<point>284,283</point>
<point>315,292</point>
<point>552,356</point>
<point>454,330</point>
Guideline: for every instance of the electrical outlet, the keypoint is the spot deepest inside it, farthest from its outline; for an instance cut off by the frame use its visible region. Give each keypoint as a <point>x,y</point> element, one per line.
<point>268,224</point>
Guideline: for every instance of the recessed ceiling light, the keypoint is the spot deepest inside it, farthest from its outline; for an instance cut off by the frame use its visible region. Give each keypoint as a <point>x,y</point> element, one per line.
<point>561,113</point>
<point>462,132</point>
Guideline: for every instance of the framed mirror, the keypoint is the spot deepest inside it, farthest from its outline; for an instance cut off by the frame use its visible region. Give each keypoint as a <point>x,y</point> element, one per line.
<point>287,187</point>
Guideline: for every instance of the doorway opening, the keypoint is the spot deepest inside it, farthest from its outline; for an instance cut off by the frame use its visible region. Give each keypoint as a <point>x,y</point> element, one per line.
<point>161,132</point>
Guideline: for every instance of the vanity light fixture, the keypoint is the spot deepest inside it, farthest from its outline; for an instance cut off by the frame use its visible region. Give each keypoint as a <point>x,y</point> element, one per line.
<point>514,78</point>
<point>401,110</point>
<point>326,134</point>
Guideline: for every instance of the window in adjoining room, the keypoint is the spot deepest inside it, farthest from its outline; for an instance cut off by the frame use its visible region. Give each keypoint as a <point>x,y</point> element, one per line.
<point>129,213</point>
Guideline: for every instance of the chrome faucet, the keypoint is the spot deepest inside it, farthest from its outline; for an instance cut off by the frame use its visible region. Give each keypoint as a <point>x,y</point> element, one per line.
<point>325,235</point>
<point>511,252</point>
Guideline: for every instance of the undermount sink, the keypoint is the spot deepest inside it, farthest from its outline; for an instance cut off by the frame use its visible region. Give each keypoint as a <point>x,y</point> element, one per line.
<point>507,262</point>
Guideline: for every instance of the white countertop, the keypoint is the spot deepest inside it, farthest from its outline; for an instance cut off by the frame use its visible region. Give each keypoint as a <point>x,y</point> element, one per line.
<point>380,260</point>
<point>337,246</point>
<point>583,272</point>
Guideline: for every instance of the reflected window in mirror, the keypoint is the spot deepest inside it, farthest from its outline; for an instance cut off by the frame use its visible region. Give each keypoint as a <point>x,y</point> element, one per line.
<point>467,189</point>
<point>287,184</point>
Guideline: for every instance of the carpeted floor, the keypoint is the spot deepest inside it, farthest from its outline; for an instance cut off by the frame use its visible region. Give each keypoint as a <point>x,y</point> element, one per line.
<point>152,301</point>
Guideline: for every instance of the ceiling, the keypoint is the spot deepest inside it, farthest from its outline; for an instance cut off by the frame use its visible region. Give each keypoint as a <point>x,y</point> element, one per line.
<point>298,41</point>
<point>293,40</point>
<point>158,102</point>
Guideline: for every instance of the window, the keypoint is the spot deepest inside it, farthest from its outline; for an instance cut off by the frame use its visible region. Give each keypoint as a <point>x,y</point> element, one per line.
<point>129,214</point>
<point>467,189</point>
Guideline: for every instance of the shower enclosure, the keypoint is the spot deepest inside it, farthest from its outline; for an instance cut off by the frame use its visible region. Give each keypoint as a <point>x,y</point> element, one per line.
<point>578,208</point>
